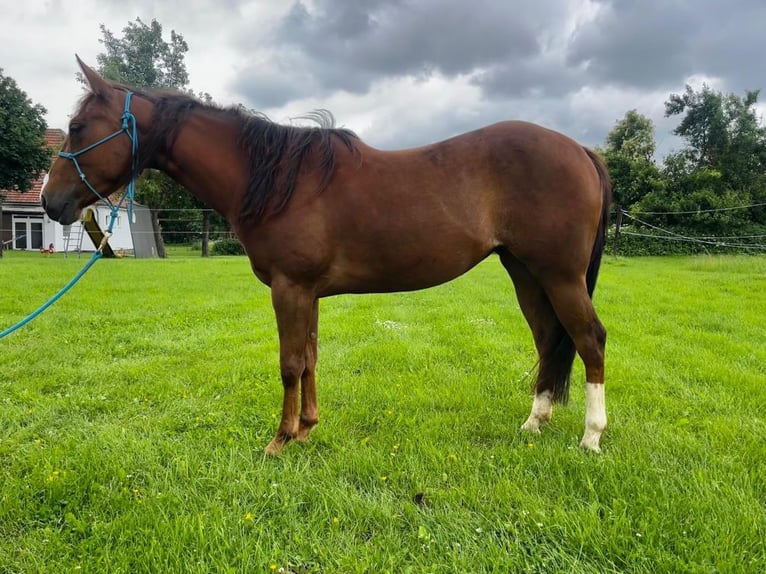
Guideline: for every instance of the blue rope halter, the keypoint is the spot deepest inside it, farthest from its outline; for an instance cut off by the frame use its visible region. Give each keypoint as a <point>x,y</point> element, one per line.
<point>129,128</point>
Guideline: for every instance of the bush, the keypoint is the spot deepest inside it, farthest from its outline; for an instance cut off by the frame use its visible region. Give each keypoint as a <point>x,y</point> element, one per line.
<point>227,247</point>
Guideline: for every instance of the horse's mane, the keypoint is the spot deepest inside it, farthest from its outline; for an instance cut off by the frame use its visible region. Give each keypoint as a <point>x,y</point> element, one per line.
<point>276,152</point>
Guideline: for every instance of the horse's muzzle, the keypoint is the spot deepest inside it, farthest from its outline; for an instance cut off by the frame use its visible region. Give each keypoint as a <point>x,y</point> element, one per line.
<point>65,212</point>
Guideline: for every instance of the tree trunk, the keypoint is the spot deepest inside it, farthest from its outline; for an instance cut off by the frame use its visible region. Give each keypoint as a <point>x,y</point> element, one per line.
<point>157,229</point>
<point>205,233</point>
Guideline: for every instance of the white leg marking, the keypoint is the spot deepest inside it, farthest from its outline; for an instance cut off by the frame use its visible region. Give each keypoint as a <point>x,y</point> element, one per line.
<point>595,416</point>
<point>542,407</point>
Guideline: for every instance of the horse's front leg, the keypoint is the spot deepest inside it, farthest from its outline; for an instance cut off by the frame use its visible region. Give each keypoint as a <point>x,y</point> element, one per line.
<point>294,308</point>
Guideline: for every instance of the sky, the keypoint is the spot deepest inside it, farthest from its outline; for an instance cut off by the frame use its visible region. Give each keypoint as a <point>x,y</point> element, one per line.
<point>402,73</point>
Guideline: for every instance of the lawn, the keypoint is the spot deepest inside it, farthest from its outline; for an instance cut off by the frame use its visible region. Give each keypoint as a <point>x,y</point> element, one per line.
<point>134,413</point>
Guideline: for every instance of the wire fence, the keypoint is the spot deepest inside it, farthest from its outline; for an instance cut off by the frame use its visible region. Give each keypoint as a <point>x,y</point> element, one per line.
<point>184,225</point>
<point>639,227</point>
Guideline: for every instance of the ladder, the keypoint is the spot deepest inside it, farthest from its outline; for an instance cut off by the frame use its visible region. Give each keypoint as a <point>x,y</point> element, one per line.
<point>73,238</point>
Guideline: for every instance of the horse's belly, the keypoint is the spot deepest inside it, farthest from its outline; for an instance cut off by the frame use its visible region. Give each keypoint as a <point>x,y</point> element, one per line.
<point>386,272</point>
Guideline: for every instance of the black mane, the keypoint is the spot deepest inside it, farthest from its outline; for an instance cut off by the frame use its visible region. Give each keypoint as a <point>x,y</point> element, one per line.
<point>276,152</point>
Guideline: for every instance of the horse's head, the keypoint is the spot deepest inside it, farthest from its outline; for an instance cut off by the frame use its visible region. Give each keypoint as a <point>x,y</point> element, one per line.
<point>98,153</point>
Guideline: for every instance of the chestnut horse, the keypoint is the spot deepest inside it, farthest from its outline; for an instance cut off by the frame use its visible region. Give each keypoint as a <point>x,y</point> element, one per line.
<point>321,213</point>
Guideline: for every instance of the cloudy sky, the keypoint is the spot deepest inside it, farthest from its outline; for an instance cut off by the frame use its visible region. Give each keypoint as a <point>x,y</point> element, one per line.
<point>408,72</point>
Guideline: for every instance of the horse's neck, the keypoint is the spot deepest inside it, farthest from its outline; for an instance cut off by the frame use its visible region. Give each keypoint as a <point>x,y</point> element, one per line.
<point>208,162</point>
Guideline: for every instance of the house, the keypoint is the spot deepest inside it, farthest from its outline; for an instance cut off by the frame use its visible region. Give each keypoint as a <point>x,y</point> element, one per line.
<point>25,225</point>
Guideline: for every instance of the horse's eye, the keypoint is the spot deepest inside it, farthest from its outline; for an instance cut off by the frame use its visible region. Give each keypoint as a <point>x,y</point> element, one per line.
<point>76,128</point>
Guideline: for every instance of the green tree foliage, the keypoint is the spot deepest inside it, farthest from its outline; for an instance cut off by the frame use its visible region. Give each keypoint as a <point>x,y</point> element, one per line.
<point>722,132</point>
<point>722,165</point>
<point>142,57</point>
<point>629,154</point>
<point>633,136</point>
<point>23,154</point>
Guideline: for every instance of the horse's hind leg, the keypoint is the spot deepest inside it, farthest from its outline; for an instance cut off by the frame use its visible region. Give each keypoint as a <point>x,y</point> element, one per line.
<point>309,411</point>
<point>574,309</point>
<point>555,350</point>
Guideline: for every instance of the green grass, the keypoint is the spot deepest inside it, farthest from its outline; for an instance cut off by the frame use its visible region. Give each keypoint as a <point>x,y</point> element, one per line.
<point>134,413</point>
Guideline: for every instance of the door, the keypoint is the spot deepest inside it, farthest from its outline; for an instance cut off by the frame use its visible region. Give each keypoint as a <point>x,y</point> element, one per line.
<point>27,232</point>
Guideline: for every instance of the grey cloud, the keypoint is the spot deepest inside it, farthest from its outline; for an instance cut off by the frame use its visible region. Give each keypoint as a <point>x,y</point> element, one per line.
<point>405,37</point>
<point>532,77</point>
<point>266,87</point>
<point>656,43</point>
<point>342,45</point>
<point>528,60</point>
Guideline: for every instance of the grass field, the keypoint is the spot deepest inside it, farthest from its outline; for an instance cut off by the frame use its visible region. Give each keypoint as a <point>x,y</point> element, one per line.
<point>134,413</point>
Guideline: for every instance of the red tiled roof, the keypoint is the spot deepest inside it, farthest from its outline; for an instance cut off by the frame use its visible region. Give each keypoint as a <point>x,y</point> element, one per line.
<point>53,139</point>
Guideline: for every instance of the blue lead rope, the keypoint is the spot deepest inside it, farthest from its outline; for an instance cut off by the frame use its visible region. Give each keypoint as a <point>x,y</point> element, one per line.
<point>96,256</point>
<point>128,127</point>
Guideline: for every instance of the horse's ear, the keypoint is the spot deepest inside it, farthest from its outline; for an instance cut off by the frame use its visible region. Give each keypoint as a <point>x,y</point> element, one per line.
<point>98,85</point>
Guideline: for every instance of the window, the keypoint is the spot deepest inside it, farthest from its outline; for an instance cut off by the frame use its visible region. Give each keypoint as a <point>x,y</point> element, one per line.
<point>19,234</point>
<point>27,232</point>
<point>36,229</point>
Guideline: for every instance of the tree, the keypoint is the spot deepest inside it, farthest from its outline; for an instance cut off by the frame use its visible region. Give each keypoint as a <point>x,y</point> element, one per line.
<point>143,58</point>
<point>723,164</point>
<point>629,155</point>
<point>633,136</point>
<point>703,127</point>
<point>23,154</point>
<point>694,198</point>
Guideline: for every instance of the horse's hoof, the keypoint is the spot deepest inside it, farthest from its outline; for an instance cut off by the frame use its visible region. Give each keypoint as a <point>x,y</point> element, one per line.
<point>304,431</point>
<point>532,425</point>
<point>590,442</point>
<point>303,435</point>
<point>274,448</point>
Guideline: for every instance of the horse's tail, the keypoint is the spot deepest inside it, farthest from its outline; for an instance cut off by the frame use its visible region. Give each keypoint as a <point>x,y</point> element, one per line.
<point>563,355</point>
<point>606,203</point>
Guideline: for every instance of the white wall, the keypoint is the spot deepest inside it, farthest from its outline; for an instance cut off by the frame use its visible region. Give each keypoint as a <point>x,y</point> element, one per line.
<point>53,232</point>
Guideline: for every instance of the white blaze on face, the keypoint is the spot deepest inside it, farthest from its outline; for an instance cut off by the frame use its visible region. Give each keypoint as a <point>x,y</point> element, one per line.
<point>45,182</point>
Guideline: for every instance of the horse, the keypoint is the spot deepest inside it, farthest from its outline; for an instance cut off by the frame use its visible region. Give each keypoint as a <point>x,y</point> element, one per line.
<point>321,213</point>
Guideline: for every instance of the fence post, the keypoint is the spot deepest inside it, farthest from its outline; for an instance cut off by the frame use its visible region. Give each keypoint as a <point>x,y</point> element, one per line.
<point>618,228</point>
